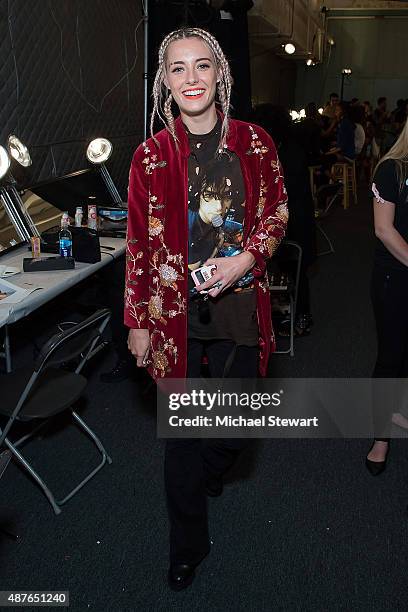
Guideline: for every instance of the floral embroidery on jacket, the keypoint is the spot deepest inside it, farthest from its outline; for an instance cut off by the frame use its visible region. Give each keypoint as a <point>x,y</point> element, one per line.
<point>163,349</point>
<point>132,274</point>
<point>166,271</point>
<point>257,146</point>
<point>150,161</point>
<point>262,199</point>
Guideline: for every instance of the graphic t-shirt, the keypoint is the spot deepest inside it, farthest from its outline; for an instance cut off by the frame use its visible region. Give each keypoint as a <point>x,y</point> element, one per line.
<point>216,187</point>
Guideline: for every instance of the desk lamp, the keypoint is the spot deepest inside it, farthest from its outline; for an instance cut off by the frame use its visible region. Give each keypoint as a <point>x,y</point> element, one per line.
<point>18,154</point>
<point>98,152</point>
<point>18,151</point>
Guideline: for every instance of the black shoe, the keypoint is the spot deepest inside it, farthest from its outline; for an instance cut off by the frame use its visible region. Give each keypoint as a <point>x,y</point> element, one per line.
<point>303,324</point>
<point>376,467</point>
<point>214,486</point>
<point>180,576</point>
<point>123,369</point>
<point>302,327</point>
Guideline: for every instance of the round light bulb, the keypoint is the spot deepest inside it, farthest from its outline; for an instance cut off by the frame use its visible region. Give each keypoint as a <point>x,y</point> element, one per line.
<point>321,110</point>
<point>4,162</point>
<point>18,151</point>
<point>99,150</point>
<point>289,48</point>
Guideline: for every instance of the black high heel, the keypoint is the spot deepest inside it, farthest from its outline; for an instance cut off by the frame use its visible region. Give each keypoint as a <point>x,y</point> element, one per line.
<point>377,467</point>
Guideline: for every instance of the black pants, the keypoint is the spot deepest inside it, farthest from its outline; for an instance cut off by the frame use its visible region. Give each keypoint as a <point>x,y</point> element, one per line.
<point>389,294</point>
<point>188,462</point>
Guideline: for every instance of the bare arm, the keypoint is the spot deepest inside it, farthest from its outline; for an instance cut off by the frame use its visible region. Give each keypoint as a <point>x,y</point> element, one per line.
<point>384,213</point>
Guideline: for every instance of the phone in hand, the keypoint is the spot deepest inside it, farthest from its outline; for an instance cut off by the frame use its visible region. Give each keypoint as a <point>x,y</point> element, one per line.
<point>203,274</point>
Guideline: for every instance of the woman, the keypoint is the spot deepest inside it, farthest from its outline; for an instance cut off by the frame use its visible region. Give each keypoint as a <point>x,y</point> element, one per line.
<point>344,148</point>
<point>356,115</point>
<point>236,330</point>
<point>389,285</point>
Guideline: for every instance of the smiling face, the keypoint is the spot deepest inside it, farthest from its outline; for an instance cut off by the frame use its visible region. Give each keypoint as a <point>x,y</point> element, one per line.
<point>191,75</point>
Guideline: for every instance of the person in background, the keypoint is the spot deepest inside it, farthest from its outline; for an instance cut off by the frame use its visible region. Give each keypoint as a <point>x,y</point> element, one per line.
<point>381,115</point>
<point>399,116</point>
<point>400,108</point>
<point>301,225</point>
<point>389,285</point>
<point>366,157</point>
<point>344,148</point>
<point>330,108</point>
<point>341,150</point>
<point>356,115</point>
<point>167,333</point>
<point>382,120</point>
<point>368,111</point>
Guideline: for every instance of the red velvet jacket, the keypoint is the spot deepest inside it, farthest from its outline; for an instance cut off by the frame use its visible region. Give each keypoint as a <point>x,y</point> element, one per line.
<point>157,241</point>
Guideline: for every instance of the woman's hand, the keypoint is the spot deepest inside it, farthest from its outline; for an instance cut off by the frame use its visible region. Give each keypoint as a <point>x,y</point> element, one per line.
<point>229,271</point>
<point>139,346</point>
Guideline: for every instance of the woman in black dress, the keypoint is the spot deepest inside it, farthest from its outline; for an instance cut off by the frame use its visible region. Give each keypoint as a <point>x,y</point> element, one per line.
<point>389,287</point>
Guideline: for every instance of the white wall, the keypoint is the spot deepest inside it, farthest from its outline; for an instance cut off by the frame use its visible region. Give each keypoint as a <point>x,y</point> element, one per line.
<point>272,79</point>
<point>375,49</point>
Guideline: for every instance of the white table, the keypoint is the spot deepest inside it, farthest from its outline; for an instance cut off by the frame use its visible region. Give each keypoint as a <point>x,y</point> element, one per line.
<point>52,283</point>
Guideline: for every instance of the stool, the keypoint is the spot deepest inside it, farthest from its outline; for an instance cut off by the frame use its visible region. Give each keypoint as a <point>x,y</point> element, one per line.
<point>346,173</point>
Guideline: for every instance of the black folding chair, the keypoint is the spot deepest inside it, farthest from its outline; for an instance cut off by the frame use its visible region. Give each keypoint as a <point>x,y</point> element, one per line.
<point>284,274</point>
<point>36,395</point>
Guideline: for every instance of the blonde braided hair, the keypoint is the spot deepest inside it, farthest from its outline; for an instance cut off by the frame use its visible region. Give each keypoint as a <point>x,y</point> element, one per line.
<point>224,82</point>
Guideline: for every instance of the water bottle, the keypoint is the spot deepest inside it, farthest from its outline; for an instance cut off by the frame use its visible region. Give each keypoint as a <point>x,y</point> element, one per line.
<point>65,237</point>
